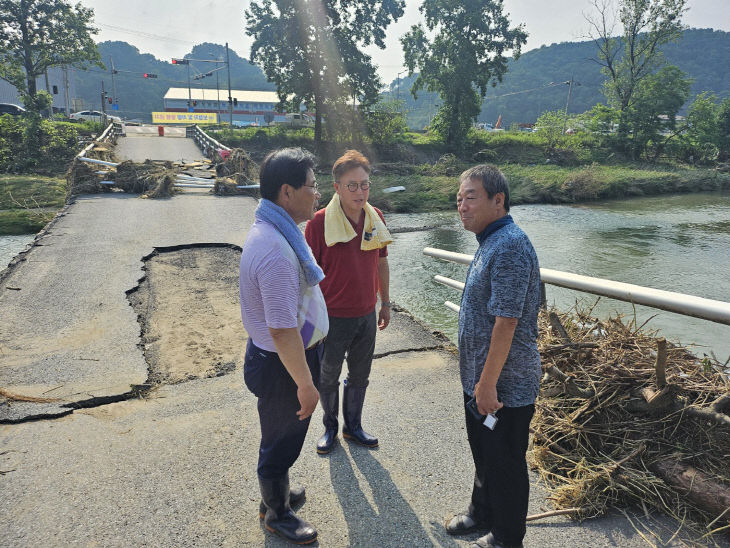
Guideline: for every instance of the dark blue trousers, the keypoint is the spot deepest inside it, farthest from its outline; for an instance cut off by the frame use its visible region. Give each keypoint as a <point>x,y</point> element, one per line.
<point>501,483</point>
<point>282,433</point>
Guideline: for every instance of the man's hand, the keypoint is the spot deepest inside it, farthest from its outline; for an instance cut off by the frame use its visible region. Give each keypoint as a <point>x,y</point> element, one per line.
<point>308,398</point>
<point>383,317</point>
<point>486,397</point>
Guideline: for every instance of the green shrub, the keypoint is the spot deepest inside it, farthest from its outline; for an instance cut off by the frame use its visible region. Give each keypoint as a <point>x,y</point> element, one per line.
<point>33,144</point>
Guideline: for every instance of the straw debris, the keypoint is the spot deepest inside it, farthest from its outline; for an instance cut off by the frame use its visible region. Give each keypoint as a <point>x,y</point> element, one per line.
<point>151,179</point>
<point>82,178</point>
<point>237,169</point>
<point>624,418</point>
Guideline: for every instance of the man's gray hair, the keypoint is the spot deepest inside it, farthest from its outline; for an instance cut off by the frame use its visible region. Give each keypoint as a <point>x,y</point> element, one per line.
<point>492,179</point>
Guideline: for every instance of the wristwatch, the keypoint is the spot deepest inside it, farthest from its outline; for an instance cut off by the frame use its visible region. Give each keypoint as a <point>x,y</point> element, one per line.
<point>387,304</point>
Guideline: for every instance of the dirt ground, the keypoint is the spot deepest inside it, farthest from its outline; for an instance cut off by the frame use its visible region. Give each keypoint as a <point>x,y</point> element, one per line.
<point>191,321</point>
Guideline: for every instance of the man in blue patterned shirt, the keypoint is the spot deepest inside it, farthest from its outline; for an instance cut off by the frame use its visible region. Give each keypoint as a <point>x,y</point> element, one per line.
<point>498,359</point>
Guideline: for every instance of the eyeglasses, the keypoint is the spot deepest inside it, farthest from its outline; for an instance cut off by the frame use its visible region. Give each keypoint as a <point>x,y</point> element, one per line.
<point>314,187</point>
<point>352,187</point>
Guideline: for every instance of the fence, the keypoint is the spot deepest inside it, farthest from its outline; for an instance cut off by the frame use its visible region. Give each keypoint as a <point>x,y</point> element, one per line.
<point>687,305</point>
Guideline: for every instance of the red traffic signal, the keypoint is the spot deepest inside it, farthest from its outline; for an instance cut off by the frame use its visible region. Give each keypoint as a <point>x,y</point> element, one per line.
<point>109,100</point>
<point>149,75</point>
<point>180,61</point>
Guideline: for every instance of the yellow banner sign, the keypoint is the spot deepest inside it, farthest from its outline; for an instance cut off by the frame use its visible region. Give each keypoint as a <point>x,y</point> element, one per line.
<point>184,118</point>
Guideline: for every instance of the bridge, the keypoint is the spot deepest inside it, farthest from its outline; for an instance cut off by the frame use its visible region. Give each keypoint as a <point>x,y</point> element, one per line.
<point>126,421</point>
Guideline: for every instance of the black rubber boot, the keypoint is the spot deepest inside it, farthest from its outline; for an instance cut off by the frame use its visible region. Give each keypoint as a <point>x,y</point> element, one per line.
<point>297,495</point>
<point>279,518</point>
<point>352,402</point>
<point>330,404</point>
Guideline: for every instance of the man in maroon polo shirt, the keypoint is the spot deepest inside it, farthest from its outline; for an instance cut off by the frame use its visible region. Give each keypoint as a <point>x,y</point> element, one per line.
<point>349,241</point>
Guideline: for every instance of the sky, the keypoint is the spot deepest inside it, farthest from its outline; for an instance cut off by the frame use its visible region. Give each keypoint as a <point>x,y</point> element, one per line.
<point>170,28</point>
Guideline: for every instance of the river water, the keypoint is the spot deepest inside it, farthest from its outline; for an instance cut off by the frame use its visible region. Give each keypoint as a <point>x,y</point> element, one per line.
<point>10,246</point>
<point>677,243</point>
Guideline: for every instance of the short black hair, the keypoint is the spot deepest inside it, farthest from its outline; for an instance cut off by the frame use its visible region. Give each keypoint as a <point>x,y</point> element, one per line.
<point>286,166</point>
<point>493,180</point>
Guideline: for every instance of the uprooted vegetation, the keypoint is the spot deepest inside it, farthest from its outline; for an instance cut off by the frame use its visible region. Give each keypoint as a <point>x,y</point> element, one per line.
<point>157,179</point>
<point>624,418</point>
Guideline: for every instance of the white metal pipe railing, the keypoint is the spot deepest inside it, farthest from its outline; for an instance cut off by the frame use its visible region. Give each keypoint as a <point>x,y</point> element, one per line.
<point>687,305</point>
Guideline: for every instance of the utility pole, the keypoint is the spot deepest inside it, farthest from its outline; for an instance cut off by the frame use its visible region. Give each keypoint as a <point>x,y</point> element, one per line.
<point>65,87</point>
<point>114,87</point>
<point>230,96</point>
<point>103,105</point>
<point>567,103</point>
<point>190,95</point>
<point>398,84</point>
<point>217,85</point>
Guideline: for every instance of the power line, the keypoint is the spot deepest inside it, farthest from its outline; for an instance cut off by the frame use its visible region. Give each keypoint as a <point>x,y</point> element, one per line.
<point>146,34</point>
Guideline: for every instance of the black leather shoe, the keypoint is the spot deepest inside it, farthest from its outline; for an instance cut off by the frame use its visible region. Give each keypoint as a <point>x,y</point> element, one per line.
<point>297,495</point>
<point>463,524</point>
<point>280,518</point>
<point>488,541</point>
<point>326,443</point>
<point>352,402</point>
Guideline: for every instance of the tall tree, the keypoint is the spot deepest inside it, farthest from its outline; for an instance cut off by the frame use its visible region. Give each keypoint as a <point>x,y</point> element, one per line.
<point>632,54</point>
<point>38,34</point>
<point>464,55</point>
<point>311,49</point>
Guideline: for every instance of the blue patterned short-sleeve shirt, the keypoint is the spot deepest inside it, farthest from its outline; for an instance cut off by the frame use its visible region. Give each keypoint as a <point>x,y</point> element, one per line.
<point>503,280</point>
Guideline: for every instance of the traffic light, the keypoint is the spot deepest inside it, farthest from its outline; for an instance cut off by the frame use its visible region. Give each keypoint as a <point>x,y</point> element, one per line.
<point>195,103</point>
<point>180,61</point>
<point>149,75</point>
<point>235,101</point>
<point>109,100</point>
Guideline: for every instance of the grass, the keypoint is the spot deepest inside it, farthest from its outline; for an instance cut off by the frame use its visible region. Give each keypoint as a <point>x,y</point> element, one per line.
<point>433,188</point>
<point>580,170</point>
<point>28,202</point>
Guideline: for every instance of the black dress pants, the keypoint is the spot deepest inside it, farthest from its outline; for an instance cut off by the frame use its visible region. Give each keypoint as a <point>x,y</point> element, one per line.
<point>501,483</point>
<point>282,433</point>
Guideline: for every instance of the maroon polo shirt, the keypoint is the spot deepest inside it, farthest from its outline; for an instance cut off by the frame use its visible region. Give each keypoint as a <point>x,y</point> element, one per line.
<point>350,286</point>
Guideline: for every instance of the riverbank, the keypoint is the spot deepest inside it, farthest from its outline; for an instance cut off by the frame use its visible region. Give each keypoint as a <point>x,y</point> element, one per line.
<point>537,173</point>
<point>433,188</point>
<point>28,202</point>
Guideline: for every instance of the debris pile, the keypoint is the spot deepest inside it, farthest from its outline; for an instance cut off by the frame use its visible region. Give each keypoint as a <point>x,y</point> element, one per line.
<point>82,178</point>
<point>151,179</point>
<point>624,418</point>
<point>238,169</point>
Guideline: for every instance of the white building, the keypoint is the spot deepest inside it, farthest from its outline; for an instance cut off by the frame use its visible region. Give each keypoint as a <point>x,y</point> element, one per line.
<point>248,106</point>
<point>57,83</point>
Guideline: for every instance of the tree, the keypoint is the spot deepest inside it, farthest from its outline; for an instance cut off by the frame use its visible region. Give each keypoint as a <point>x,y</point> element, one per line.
<point>311,49</point>
<point>386,121</point>
<point>653,111</point>
<point>629,59</point>
<point>38,34</point>
<point>465,56</point>
<point>723,128</point>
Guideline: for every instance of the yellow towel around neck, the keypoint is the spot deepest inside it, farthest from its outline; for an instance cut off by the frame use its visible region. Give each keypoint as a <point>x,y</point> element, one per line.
<point>338,229</point>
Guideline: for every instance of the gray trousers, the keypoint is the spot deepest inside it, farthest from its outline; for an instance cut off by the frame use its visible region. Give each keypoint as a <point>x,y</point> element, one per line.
<point>352,339</point>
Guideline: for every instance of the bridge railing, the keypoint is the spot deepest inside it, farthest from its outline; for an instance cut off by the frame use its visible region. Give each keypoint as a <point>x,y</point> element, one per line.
<point>687,305</point>
<point>205,142</point>
<point>110,132</point>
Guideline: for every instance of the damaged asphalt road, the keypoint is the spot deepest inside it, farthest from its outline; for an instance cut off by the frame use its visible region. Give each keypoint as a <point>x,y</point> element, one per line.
<point>70,334</point>
<point>127,320</point>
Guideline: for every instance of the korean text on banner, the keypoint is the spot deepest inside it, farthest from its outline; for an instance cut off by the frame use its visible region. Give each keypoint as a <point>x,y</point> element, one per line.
<point>184,118</point>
